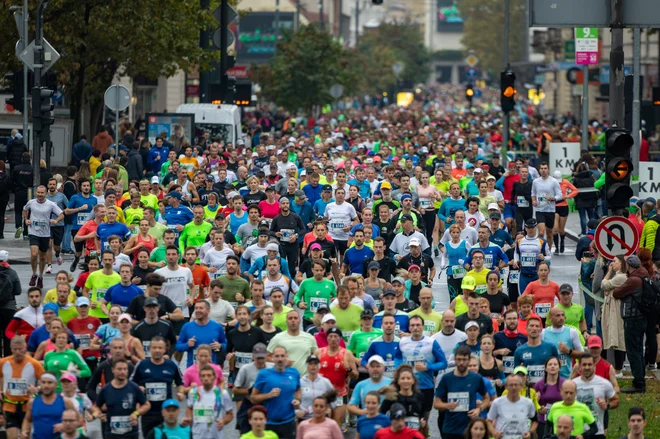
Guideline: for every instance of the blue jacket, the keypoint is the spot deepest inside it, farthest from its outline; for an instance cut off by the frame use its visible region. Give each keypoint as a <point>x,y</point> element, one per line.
<point>306,213</point>
<point>364,188</point>
<point>81,151</point>
<point>313,193</point>
<point>154,164</point>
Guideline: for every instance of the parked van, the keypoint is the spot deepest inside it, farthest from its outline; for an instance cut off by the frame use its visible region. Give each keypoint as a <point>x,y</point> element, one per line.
<point>219,121</point>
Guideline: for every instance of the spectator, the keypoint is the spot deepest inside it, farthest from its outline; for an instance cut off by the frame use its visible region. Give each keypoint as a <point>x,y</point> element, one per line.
<point>134,167</point>
<point>22,179</point>
<point>10,287</point>
<point>5,190</point>
<point>102,140</point>
<point>15,149</point>
<point>82,151</point>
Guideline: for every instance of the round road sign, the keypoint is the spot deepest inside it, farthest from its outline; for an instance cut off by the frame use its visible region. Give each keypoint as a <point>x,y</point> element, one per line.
<point>616,235</point>
<point>117,97</point>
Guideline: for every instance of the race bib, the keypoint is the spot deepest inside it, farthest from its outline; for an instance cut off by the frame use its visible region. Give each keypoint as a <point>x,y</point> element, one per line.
<point>389,367</point>
<point>156,391</point>
<point>542,309</point>
<point>536,373</point>
<point>512,430</point>
<point>337,226</point>
<point>429,328</point>
<point>82,218</point>
<point>412,422</point>
<point>100,294</point>
<point>528,260</point>
<point>120,425</point>
<point>316,302</point>
<point>488,261</point>
<point>242,358</point>
<point>414,359</point>
<point>17,387</point>
<point>480,289</point>
<point>204,414</point>
<point>514,277</point>
<point>39,226</point>
<point>425,202</point>
<point>541,201</point>
<point>286,234</point>
<point>146,344</point>
<point>458,271</point>
<point>347,335</point>
<point>522,201</point>
<point>84,340</point>
<point>462,398</point>
<point>508,362</point>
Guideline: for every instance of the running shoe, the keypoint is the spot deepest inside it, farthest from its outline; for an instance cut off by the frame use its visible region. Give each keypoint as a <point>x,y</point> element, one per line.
<point>18,232</point>
<point>33,280</point>
<point>40,282</point>
<point>49,269</point>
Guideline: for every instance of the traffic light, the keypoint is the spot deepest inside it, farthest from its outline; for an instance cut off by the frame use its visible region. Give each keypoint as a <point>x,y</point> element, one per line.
<point>15,84</point>
<point>508,89</point>
<point>42,106</point>
<point>469,93</point>
<point>618,167</point>
<point>243,95</point>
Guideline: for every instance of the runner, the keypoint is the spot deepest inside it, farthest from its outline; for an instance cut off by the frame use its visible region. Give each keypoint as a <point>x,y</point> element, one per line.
<point>44,412</point>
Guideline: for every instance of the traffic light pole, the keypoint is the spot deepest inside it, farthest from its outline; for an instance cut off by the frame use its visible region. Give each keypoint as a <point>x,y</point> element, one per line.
<point>36,103</point>
<point>585,107</point>
<point>505,122</point>
<point>617,80</point>
<point>204,45</point>
<point>26,72</point>
<point>224,22</point>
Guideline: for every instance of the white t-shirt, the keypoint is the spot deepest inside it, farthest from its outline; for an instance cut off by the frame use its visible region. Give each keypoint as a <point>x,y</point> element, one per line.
<point>474,219</point>
<point>121,258</point>
<point>448,344</point>
<point>497,195</point>
<point>40,216</point>
<point>588,392</point>
<point>218,259</point>
<point>283,282</point>
<point>512,418</point>
<point>468,234</point>
<point>176,286</point>
<point>221,311</point>
<point>340,216</point>
<point>205,412</point>
<point>254,252</point>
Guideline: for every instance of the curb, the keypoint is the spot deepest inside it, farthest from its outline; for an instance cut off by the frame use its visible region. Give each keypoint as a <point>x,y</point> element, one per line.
<point>574,236</point>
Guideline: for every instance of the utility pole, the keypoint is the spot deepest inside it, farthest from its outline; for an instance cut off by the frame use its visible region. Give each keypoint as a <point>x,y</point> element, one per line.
<point>224,22</point>
<point>357,23</point>
<point>204,45</point>
<point>617,79</point>
<point>321,20</point>
<point>36,91</point>
<point>505,124</point>
<point>297,15</point>
<point>277,20</point>
<point>585,107</point>
<point>636,122</point>
<point>26,71</point>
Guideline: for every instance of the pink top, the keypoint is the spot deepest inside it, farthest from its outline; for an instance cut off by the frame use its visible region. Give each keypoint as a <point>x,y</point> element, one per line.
<point>328,429</point>
<point>191,375</point>
<point>269,210</point>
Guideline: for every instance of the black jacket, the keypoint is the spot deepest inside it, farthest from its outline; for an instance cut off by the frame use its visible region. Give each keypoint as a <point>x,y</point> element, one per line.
<point>584,180</point>
<point>22,177</point>
<point>15,152</point>
<point>134,166</point>
<point>5,184</point>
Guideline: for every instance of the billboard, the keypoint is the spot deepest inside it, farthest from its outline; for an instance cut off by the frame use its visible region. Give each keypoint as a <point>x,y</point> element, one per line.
<point>449,18</point>
<point>257,38</point>
<point>177,127</point>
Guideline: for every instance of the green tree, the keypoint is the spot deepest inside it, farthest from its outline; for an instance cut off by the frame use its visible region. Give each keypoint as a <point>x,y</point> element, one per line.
<point>99,39</point>
<point>395,42</point>
<point>307,63</point>
<point>483,31</point>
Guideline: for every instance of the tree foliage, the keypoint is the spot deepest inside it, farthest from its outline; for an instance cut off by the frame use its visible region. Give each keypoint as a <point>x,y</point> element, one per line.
<point>98,38</point>
<point>483,31</point>
<point>393,42</point>
<point>307,63</point>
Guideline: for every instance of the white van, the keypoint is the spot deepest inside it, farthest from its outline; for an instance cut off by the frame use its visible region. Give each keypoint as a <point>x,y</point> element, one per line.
<point>222,121</point>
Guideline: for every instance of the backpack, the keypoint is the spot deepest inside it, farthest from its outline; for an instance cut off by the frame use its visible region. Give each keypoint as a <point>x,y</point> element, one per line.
<point>649,300</point>
<point>6,287</point>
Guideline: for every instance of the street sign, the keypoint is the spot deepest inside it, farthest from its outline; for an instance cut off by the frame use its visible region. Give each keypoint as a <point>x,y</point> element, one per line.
<point>471,60</point>
<point>50,56</point>
<point>336,91</point>
<point>117,97</point>
<point>616,235</point>
<point>592,13</point>
<point>217,14</point>
<point>564,156</point>
<point>217,39</point>
<point>586,45</point>
<point>472,73</point>
<point>648,186</point>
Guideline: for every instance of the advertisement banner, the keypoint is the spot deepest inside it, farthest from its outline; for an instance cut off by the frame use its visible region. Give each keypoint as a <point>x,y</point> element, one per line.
<point>177,128</point>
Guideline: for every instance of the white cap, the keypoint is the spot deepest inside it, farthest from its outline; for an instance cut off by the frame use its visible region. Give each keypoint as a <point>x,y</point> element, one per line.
<point>414,241</point>
<point>240,142</point>
<point>327,318</point>
<point>270,147</point>
<point>557,175</point>
<point>125,316</point>
<point>471,324</point>
<point>478,170</point>
<point>377,358</point>
<point>291,165</point>
<point>4,256</point>
<point>493,206</point>
<point>292,139</point>
<point>155,179</point>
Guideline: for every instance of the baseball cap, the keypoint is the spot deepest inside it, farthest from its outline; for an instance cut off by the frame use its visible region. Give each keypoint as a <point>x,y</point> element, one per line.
<point>259,350</point>
<point>323,308</point>
<point>300,194</point>
<point>377,358</point>
<point>125,316</point>
<point>316,246</point>
<point>594,342</point>
<point>263,232</point>
<point>373,265</point>
<point>313,359</point>
<point>493,206</point>
<point>512,165</point>
<point>385,184</point>
<point>399,279</point>
<point>414,267</point>
<point>291,166</point>
<point>174,194</point>
<point>334,330</point>
<point>520,369</point>
<point>478,171</point>
<point>367,313</point>
<point>495,215</point>
<point>326,187</point>
<point>82,301</point>
<point>633,261</point>
<point>170,403</point>
<point>531,223</point>
<point>326,318</point>
<point>155,179</point>
<point>271,147</point>
<point>209,177</point>
<point>151,301</point>
<point>4,256</point>
<point>50,307</point>
<point>222,162</point>
<point>406,217</point>
<point>414,241</point>
<point>566,288</point>
<point>468,283</point>
<point>398,411</point>
<point>471,324</point>
<point>389,293</point>
<point>276,289</point>
<point>68,377</point>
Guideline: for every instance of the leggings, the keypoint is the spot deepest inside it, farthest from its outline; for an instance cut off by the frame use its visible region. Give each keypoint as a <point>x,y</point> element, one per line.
<point>454,286</point>
<point>429,221</point>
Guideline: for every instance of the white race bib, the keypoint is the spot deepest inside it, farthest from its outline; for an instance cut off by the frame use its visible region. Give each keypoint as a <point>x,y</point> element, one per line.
<point>514,276</point>
<point>463,400</point>
<point>156,391</point>
<point>39,226</point>
<point>508,362</point>
<point>425,202</point>
<point>100,294</point>
<point>542,309</point>
<point>536,373</point>
<point>522,201</point>
<point>286,234</point>
<point>17,387</point>
<point>242,358</point>
<point>120,425</point>
<point>337,226</point>
<point>413,359</point>
<point>412,422</point>
<point>528,260</point>
<point>84,340</point>
<point>458,272</point>
<point>316,302</point>
<point>204,414</point>
<point>82,218</point>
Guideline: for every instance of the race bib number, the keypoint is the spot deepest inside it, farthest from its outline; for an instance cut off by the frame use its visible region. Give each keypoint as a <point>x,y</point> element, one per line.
<point>156,391</point>
<point>146,344</point>
<point>337,226</point>
<point>347,335</point>
<point>389,367</point>
<point>204,414</point>
<point>82,218</point>
<point>39,226</point>
<point>462,398</point>
<point>17,387</point>
<point>412,422</point>
<point>480,289</point>
<point>508,362</point>
<point>100,294</point>
<point>286,234</point>
<point>514,277</point>
<point>414,359</point>
<point>587,397</point>
<point>316,302</point>
<point>120,425</point>
<point>84,340</point>
<point>542,309</point>
<point>536,373</point>
<point>242,358</point>
<point>541,201</point>
<point>425,202</point>
<point>528,260</point>
<point>522,201</point>
<point>458,272</point>
<point>512,430</point>
<point>429,328</point>
<point>488,261</point>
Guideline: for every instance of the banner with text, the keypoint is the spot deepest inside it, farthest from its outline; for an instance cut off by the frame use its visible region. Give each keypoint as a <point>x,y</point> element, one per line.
<point>648,186</point>
<point>564,156</point>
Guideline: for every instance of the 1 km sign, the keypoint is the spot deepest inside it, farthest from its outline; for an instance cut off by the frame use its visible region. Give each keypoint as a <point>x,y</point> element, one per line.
<point>616,235</point>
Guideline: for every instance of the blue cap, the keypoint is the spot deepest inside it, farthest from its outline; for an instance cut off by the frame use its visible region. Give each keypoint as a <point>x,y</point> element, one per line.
<point>174,194</point>
<point>650,200</point>
<point>469,165</point>
<point>51,307</point>
<point>171,403</point>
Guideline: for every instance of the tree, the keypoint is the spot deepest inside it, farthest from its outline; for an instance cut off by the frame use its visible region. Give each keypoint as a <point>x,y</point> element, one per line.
<point>306,64</point>
<point>483,31</point>
<point>395,42</point>
<point>99,39</point>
